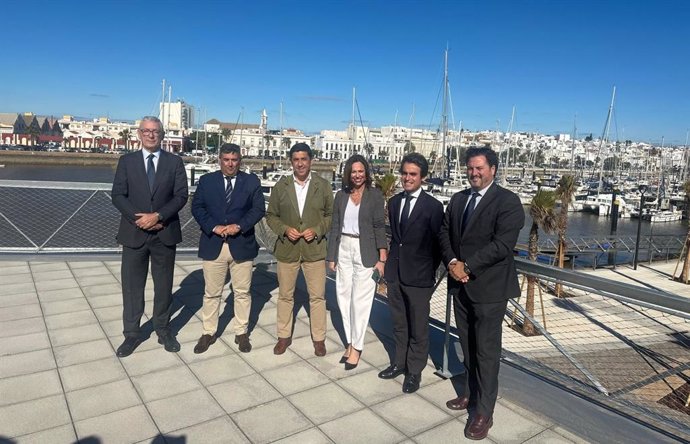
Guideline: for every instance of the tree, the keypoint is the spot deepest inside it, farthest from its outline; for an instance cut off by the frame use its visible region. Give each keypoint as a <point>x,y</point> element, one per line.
<point>539,158</point>
<point>542,212</point>
<point>589,138</point>
<point>565,192</point>
<point>226,133</point>
<point>124,134</point>
<point>409,147</point>
<point>432,156</point>
<point>369,149</point>
<point>286,143</point>
<point>386,184</point>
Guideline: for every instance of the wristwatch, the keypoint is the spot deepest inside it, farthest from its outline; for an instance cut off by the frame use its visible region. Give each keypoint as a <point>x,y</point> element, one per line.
<point>467,269</point>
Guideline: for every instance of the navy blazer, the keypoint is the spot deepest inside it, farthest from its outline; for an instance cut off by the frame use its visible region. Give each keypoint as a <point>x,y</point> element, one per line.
<point>414,257</point>
<point>486,244</point>
<point>246,208</point>
<point>131,195</point>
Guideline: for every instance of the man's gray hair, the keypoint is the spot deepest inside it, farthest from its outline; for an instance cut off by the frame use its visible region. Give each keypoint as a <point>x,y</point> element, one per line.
<point>153,119</point>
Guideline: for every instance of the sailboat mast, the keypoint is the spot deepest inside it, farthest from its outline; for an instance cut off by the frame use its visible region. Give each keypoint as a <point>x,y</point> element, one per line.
<point>444,123</point>
<point>352,139</point>
<point>605,136</point>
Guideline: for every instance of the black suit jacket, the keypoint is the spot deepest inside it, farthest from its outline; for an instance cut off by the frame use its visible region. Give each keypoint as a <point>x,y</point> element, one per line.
<point>246,209</point>
<point>486,245</point>
<point>414,257</point>
<point>131,195</point>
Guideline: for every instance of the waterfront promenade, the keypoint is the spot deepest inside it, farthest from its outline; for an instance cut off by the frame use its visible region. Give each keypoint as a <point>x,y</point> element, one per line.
<point>60,380</point>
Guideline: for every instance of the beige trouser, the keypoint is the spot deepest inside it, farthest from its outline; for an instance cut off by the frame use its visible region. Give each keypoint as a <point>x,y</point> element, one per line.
<point>215,272</point>
<point>315,276</point>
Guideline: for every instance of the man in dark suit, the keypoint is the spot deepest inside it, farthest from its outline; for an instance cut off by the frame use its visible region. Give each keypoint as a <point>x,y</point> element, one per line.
<point>149,189</point>
<point>226,205</point>
<point>415,218</point>
<point>479,232</point>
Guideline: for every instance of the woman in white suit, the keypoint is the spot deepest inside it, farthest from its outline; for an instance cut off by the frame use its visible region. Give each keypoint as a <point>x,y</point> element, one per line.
<point>357,251</point>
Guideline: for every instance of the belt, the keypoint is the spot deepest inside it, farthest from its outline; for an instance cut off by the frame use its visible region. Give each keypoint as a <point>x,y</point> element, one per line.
<point>356,236</point>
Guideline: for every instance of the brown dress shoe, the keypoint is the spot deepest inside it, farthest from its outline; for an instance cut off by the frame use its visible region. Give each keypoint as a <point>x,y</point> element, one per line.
<point>459,403</point>
<point>282,345</point>
<point>204,343</point>
<point>478,427</point>
<point>243,342</point>
<point>320,348</point>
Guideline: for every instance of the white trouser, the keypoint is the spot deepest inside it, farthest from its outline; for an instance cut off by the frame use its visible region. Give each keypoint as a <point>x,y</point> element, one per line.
<point>355,291</point>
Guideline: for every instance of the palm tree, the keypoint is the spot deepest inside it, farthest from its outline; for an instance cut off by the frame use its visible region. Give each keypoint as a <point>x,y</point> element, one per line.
<point>226,132</point>
<point>543,216</point>
<point>124,134</point>
<point>565,192</point>
<point>387,185</point>
<point>685,274</point>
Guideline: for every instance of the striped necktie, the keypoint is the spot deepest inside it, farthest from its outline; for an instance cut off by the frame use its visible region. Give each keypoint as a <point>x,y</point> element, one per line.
<point>469,210</point>
<point>151,171</point>
<point>228,189</point>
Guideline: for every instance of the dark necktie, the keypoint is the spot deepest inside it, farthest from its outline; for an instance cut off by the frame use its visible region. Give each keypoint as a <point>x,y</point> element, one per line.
<point>228,189</point>
<point>469,210</point>
<point>405,213</point>
<point>151,171</point>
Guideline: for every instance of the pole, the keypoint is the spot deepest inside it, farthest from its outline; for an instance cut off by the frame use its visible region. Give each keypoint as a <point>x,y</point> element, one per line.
<point>614,228</point>
<point>639,229</point>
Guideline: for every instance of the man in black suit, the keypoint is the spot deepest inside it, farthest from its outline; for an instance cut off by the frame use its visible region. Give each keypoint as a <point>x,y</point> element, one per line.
<point>479,232</point>
<point>226,205</point>
<point>149,189</point>
<point>415,218</point>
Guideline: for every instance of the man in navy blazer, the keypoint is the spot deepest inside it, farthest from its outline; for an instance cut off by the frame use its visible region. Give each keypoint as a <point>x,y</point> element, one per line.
<point>226,205</point>
<point>149,189</point>
<point>479,232</point>
<point>415,218</point>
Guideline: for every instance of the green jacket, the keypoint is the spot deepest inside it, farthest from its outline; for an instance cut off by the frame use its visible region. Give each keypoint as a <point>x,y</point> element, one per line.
<point>283,213</point>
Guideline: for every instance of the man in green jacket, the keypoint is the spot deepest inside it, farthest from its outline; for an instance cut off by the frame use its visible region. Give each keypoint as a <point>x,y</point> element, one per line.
<point>299,212</point>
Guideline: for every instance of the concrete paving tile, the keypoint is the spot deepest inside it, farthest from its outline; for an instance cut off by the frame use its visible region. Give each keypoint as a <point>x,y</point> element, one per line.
<point>92,373</point>
<point>146,361</point>
<point>67,320</point>
<point>568,435</point>
<point>20,312</point>
<point>330,366</point>
<point>124,426</point>
<point>514,426</point>
<point>24,343</point>
<point>20,278</point>
<point>42,267</point>
<point>82,352</point>
<point>321,404</point>
<point>262,359</point>
<point>66,306</point>
<point>411,414</point>
<point>311,436</point>
<point>21,327</point>
<point>33,416</point>
<point>369,427</point>
<point>61,434</point>
<point>55,275</point>
<point>438,393</point>
<point>113,328</point>
<point>150,344</point>
<point>88,269</point>
<point>101,279</point>
<point>267,317</point>
<point>301,328</point>
<point>58,284</point>
<point>85,264</point>
<point>13,269</point>
<point>243,393</point>
<point>190,332</point>
<point>258,336</point>
<point>109,313</point>
<point>100,290</point>
<point>217,431</point>
<point>302,377</point>
<point>18,288</point>
<point>110,300</point>
<point>375,354</point>
<point>25,363</point>
<point>75,335</point>
<point>219,348</point>
<point>166,383</point>
<point>184,410</point>
<point>27,387</point>
<point>224,368</point>
<point>285,421</point>
<point>89,402</point>
<point>548,436</point>
<point>60,295</point>
<point>449,433</point>
<point>369,389</point>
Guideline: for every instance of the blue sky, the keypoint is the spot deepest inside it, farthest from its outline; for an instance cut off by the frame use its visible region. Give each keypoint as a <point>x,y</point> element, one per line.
<point>551,59</point>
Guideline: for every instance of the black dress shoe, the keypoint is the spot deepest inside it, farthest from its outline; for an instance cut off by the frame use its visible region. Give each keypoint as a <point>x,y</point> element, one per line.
<point>128,347</point>
<point>411,383</point>
<point>393,371</point>
<point>351,366</point>
<point>169,342</point>
<point>204,343</point>
<point>478,427</point>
